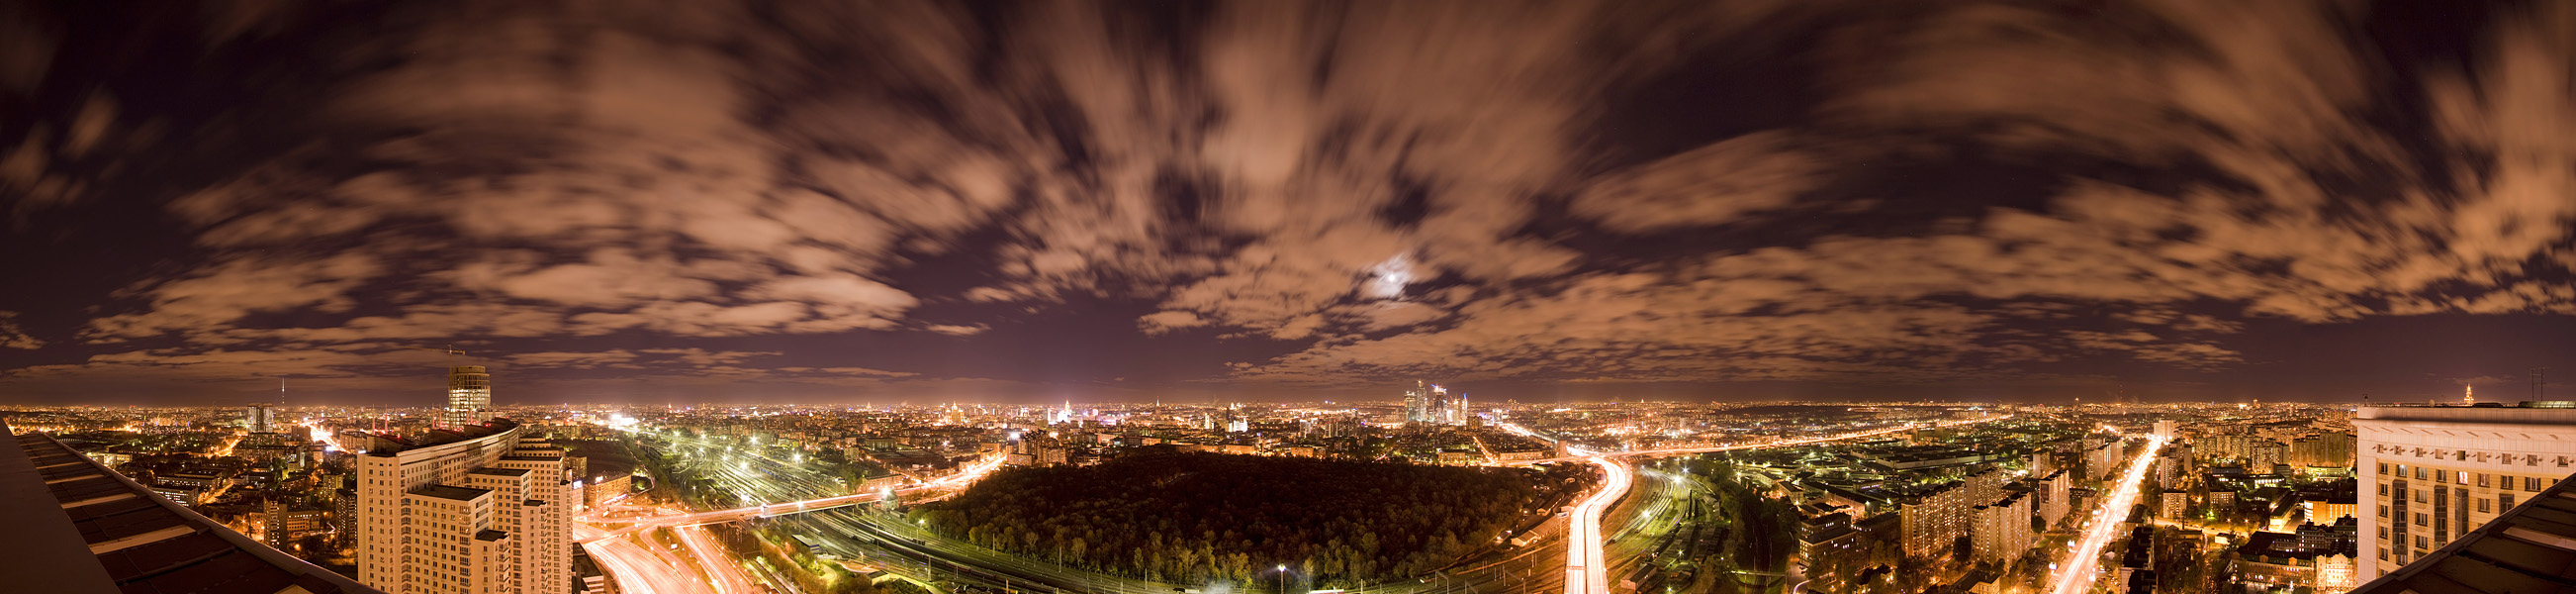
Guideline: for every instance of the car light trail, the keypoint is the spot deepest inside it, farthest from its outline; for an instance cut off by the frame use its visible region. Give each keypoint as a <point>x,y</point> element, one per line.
<point>637,570</point>
<point>728,578</point>
<point>1587,569</point>
<point>2077,572</point>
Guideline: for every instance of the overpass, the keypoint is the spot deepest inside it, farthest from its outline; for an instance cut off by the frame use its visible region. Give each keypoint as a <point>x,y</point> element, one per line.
<point>739,513</point>
<point>963,477</point>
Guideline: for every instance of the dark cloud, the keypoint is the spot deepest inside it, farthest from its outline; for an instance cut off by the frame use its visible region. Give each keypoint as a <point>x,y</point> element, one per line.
<point>1372,189</point>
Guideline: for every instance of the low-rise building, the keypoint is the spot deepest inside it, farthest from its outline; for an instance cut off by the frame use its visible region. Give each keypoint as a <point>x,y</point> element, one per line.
<point>2316,556</point>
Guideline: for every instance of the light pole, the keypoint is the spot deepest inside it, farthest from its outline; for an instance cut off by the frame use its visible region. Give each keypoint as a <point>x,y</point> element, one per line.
<point>1283,578</point>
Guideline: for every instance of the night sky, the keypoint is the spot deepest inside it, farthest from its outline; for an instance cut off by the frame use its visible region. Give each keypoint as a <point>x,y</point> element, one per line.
<point>880,202</point>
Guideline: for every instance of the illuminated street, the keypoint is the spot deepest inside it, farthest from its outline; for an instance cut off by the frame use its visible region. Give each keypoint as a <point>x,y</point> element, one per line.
<point>712,559</point>
<point>1586,570</point>
<point>2077,571</point>
<point>638,569</point>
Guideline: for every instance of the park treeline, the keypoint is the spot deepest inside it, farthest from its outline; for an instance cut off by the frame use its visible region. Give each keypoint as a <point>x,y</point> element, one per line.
<point>1193,517</point>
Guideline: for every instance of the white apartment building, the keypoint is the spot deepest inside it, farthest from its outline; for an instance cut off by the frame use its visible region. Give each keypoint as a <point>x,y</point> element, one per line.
<point>1935,520</point>
<point>2431,474</point>
<point>2003,529</point>
<point>2056,500</point>
<point>2103,461</point>
<point>484,512</point>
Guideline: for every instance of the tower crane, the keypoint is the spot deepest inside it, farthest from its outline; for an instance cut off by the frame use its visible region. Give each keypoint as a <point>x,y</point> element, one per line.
<point>450,350</point>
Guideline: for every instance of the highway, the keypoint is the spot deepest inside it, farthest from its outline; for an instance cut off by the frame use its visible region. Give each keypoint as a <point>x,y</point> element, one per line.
<point>1587,571</point>
<point>2076,574</point>
<point>637,569</point>
<point>728,576</point>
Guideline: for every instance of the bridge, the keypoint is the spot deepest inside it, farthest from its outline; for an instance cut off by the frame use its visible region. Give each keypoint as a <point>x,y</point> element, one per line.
<point>962,478</point>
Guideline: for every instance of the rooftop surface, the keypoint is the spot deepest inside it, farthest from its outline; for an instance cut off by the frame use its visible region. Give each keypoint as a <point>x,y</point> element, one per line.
<point>450,492</point>
<point>447,435</point>
<point>78,528</point>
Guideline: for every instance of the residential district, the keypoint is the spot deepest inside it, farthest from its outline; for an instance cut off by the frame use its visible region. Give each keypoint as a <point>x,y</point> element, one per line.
<point>458,496</point>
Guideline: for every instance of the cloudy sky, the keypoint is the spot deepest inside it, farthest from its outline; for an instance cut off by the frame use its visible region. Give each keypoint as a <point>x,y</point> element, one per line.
<point>829,201</point>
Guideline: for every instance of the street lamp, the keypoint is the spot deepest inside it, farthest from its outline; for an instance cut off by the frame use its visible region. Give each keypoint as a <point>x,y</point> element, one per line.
<point>1283,578</point>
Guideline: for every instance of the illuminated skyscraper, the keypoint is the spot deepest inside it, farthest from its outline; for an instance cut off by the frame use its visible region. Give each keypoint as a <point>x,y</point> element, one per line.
<point>1427,403</point>
<point>1417,402</point>
<point>469,396</point>
<point>260,418</point>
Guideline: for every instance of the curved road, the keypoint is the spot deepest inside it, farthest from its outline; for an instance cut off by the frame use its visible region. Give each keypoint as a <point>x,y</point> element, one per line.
<point>1587,571</point>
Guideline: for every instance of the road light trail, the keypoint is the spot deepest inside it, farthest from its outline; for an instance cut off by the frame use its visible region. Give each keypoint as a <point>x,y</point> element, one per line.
<point>2077,573</point>
<point>728,578</point>
<point>636,569</point>
<point>1587,571</point>
<point>961,479</point>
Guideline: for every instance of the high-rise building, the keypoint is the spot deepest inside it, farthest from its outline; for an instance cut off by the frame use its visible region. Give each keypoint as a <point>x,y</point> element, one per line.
<point>2055,498</point>
<point>1428,403</point>
<point>2165,429</point>
<point>2471,565</point>
<point>2102,461</point>
<point>2228,447</point>
<point>484,511</point>
<point>2003,529</point>
<point>1417,401</point>
<point>2331,450</point>
<point>260,418</point>
<point>469,396</point>
<point>2432,474</point>
<point>1934,520</point>
<point>2263,455</point>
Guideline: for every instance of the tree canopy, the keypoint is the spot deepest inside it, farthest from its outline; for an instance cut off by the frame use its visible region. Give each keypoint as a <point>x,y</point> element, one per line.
<point>1192,517</point>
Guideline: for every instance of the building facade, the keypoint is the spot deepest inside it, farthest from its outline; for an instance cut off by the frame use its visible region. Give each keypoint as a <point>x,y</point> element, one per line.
<point>1934,520</point>
<point>2432,474</point>
<point>2003,529</point>
<point>260,417</point>
<point>2331,450</point>
<point>2101,461</point>
<point>2056,498</point>
<point>485,513</point>
<point>469,396</point>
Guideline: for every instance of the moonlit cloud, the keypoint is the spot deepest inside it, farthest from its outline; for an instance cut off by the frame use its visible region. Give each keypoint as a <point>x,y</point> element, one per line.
<point>1332,194</point>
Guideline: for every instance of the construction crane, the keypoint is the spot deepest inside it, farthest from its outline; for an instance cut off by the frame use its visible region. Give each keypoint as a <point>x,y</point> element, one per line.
<point>450,350</point>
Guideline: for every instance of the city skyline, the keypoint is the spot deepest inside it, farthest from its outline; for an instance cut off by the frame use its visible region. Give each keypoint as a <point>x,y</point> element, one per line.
<point>1288,297</point>
<point>1266,201</point>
